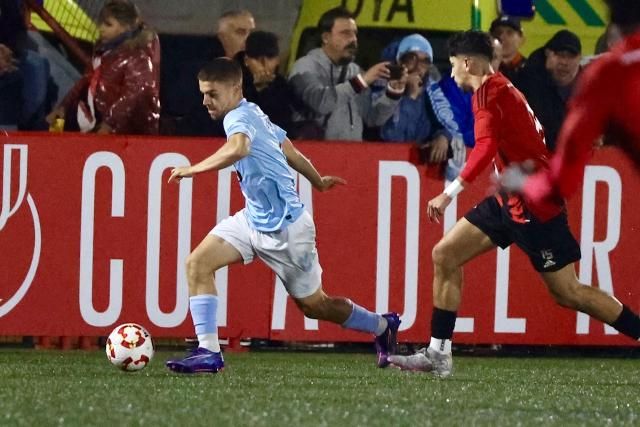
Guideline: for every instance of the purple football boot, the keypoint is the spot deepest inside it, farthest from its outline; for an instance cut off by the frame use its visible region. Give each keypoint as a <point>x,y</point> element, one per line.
<point>387,343</point>
<point>199,360</point>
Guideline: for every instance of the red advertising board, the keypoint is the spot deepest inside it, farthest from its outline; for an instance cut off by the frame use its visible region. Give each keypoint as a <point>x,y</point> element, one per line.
<point>91,235</point>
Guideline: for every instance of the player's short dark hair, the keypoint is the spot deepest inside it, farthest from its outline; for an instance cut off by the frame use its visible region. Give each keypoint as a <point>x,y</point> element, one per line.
<point>262,44</point>
<point>123,11</point>
<point>625,14</point>
<point>221,70</point>
<point>471,42</point>
<point>328,19</point>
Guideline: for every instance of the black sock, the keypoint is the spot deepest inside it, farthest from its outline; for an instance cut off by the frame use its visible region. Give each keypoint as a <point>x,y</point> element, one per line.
<point>442,323</point>
<point>628,323</point>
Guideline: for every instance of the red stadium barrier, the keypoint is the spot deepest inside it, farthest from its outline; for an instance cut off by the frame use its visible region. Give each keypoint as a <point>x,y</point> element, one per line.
<point>91,235</point>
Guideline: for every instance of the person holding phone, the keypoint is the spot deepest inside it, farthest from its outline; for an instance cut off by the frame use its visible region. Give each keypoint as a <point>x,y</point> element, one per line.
<point>332,92</point>
<point>414,118</point>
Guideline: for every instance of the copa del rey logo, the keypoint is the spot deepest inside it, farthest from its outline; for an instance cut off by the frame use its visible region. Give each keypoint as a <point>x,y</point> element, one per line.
<point>11,206</point>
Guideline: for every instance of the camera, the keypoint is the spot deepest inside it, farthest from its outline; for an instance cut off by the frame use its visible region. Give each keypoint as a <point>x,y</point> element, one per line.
<point>395,71</point>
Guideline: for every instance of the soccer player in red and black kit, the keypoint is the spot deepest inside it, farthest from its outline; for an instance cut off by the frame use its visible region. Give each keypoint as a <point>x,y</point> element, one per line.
<point>506,132</point>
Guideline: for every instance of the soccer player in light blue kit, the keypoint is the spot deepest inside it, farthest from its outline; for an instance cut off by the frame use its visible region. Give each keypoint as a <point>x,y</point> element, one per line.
<point>273,225</point>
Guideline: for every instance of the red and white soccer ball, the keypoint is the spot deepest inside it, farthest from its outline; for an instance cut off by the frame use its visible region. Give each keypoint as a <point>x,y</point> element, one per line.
<point>129,347</point>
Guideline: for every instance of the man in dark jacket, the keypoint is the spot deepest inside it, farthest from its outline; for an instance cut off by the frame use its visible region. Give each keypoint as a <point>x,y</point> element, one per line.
<point>181,99</point>
<point>261,83</point>
<point>548,79</point>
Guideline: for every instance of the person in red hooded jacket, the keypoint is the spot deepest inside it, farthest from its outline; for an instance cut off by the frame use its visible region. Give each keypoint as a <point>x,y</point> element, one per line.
<point>120,91</point>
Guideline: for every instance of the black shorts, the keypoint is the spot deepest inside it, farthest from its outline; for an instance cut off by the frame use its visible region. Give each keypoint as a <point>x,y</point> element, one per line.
<point>549,245</point>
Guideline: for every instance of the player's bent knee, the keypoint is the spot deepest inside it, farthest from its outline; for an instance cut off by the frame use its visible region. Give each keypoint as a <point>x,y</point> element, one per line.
<point>196,266</point>
<point>441,254</point>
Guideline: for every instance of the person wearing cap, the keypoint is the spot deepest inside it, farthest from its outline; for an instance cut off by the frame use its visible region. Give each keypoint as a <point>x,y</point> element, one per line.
<point>261,82</point>
<point>414,119</point>
<point>548,79</point>
<point>508,30</point>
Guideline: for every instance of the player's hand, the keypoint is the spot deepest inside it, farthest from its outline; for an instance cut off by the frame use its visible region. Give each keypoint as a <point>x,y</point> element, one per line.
<point>378,71</point>
<point>401,83</point>
<point>57,113</point>
<point>414,85</point>
<point>180,172</point>
<point>104,129</point>
<point>328,182</point>
<point>8,63</point>
<point>263,78</point>
<point>437,149</point>
<point>436,207</point>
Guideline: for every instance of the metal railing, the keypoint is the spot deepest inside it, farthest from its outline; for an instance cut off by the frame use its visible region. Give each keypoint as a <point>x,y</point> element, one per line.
<point>70,21</point>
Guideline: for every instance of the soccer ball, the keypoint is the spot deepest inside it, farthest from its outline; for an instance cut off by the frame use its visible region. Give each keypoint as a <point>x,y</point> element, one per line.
<point>129,347</point>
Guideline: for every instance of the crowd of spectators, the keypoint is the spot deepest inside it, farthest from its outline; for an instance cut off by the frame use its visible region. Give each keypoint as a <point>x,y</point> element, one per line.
<point>326,94</point>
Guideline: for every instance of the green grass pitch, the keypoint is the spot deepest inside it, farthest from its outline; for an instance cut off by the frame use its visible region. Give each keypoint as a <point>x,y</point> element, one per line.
<point>40,388</point>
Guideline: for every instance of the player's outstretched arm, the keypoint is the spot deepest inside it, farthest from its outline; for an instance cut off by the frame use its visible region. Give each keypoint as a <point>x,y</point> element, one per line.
<point>236,147</point>
<point>301,164</point>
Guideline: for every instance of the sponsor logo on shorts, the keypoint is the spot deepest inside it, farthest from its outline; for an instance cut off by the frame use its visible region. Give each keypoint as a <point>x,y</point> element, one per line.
<point>547,256</point>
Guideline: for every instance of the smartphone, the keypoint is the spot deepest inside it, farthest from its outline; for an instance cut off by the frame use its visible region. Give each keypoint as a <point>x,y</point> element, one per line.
<point>395,71</point>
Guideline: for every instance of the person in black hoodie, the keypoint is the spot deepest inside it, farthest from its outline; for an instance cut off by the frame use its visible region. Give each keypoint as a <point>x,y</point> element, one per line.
<point>261,83</point>
<point>182,110</point>
<point>547,81</point>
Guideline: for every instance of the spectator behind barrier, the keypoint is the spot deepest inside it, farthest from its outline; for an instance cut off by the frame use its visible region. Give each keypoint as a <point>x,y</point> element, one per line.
<point>548,79</point>
<point>120,92</point>
<point>26,88</point>
<point>234,28</point>
<point>261,83</point>
<point>611,36</point>
<point>453,109</point>
<point>445,107</point>
<point>182,101</point>
<point>333,96</point>
<point>508,30</point>
<point>414,118</point>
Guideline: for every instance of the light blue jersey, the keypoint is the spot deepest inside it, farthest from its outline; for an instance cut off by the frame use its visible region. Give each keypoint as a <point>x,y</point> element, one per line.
<point>272,202</point>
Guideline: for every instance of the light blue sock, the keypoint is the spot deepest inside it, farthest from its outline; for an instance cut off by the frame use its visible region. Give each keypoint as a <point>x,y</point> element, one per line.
<point>364,320</point>
<point>204,309</point>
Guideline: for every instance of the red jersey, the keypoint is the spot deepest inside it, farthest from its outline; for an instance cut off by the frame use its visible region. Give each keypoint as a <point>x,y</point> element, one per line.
<point>506,131</point>
<point>606,102</point>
